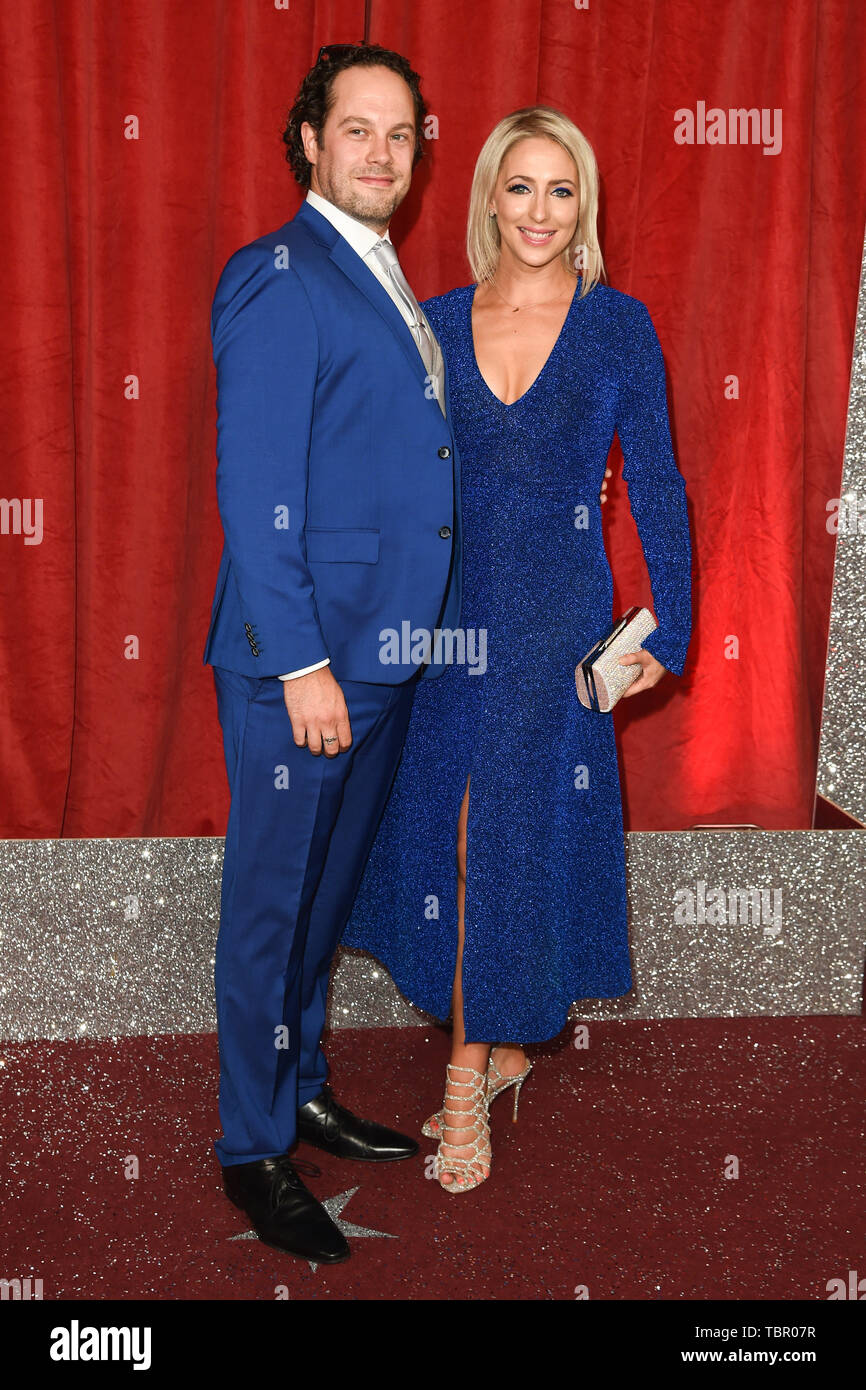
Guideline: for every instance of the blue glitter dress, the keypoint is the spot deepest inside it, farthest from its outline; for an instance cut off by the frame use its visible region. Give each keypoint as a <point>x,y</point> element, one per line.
<point>545,913</point>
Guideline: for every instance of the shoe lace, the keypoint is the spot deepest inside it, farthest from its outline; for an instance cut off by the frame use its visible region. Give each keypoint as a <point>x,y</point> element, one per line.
<point>288,1177</point>
<point>334,1113</point>
<point>302,1165</point>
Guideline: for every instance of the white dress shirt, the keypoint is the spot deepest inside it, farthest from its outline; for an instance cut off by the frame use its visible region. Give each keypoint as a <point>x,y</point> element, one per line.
<point>362,239</point>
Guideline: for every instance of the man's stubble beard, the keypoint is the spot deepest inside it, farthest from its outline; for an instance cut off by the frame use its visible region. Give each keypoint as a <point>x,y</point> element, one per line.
<point>376,208</point>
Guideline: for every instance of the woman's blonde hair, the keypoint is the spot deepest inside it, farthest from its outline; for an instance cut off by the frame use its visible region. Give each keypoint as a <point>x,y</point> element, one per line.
<point>482,233</point>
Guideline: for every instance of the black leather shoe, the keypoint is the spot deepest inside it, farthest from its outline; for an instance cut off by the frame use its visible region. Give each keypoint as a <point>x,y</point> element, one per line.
<point>284,1213</point>
<point>328,1125</point>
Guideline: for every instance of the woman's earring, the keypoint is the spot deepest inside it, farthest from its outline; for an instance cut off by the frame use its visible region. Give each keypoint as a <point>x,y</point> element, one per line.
<point>491,213</point>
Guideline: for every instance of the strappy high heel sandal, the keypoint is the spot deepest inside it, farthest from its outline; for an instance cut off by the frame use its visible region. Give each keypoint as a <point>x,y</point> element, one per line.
<point>496,1084</point>
<point>465,1171</point>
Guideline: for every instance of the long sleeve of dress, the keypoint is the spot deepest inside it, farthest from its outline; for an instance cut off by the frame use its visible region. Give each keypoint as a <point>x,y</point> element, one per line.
<point>656,491</point>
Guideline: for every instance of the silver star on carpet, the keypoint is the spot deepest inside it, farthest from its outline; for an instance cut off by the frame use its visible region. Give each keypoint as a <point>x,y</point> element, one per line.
<point>333,1206</point>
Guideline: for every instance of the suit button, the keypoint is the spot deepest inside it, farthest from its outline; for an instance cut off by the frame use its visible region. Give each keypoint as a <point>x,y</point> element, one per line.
<point>445,532</point>
<point>445,452</point>
<point>247,628</point>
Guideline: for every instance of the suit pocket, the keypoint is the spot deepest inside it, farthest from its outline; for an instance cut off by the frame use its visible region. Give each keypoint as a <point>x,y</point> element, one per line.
<point>339,543</point>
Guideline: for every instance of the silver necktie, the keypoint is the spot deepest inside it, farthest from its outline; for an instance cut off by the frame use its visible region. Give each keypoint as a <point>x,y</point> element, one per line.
<point>425,340</point>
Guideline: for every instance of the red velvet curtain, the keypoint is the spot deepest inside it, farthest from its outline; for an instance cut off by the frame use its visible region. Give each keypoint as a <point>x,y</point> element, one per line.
<point>141,146</point>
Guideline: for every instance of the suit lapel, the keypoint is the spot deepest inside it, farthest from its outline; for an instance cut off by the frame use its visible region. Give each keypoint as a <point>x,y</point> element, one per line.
<point>447,387</point>
<point>363,278</point>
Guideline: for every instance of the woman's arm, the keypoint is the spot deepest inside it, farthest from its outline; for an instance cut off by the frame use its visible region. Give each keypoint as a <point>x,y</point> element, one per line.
<point>656,491</point>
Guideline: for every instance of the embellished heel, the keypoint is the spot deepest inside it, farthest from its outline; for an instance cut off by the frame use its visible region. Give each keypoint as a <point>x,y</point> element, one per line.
<point>500,1083</point>
<point>517,1096</point>
<point>496,1084</point>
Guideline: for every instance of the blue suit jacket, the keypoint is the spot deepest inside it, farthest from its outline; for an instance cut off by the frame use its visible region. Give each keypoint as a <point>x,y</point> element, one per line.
<point>337,474</point>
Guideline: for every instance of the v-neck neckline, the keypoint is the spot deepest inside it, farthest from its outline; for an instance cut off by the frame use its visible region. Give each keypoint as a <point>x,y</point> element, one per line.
<point>509,405</point>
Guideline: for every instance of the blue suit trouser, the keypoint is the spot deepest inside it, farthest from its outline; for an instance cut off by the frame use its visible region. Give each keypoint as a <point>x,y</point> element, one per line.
<point>299,832</point>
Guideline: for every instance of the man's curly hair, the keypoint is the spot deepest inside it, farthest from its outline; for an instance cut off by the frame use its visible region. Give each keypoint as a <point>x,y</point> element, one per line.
<point>315,99</point>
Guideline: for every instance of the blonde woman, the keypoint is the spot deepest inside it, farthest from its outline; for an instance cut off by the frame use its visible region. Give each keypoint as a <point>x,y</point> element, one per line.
<point>495,890</point>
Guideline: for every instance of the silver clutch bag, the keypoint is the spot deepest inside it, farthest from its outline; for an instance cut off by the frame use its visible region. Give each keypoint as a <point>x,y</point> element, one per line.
<point>599,678</point>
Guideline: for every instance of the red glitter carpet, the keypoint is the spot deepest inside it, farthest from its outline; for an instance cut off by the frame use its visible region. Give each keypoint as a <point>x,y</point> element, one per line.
<point>613,1178</point>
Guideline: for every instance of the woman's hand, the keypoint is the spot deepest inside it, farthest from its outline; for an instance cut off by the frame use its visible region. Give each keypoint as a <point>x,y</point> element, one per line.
<point>650,676</point>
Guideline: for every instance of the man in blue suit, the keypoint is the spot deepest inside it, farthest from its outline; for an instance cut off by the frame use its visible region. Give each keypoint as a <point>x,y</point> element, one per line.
<point>338,492</point>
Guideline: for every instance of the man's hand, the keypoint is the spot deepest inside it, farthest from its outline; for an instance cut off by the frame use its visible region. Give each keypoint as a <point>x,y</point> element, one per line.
<point>650,676</point>
<point>318,713</point>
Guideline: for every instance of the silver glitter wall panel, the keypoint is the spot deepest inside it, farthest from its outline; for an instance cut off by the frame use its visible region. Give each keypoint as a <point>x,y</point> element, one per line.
<point>108,937</point>
<point>103,938</point>
<point>842,749</point>
<point>743,923</point>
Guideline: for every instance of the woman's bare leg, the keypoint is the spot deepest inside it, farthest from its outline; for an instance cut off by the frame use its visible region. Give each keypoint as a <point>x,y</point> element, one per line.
<point>510,1057</point>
